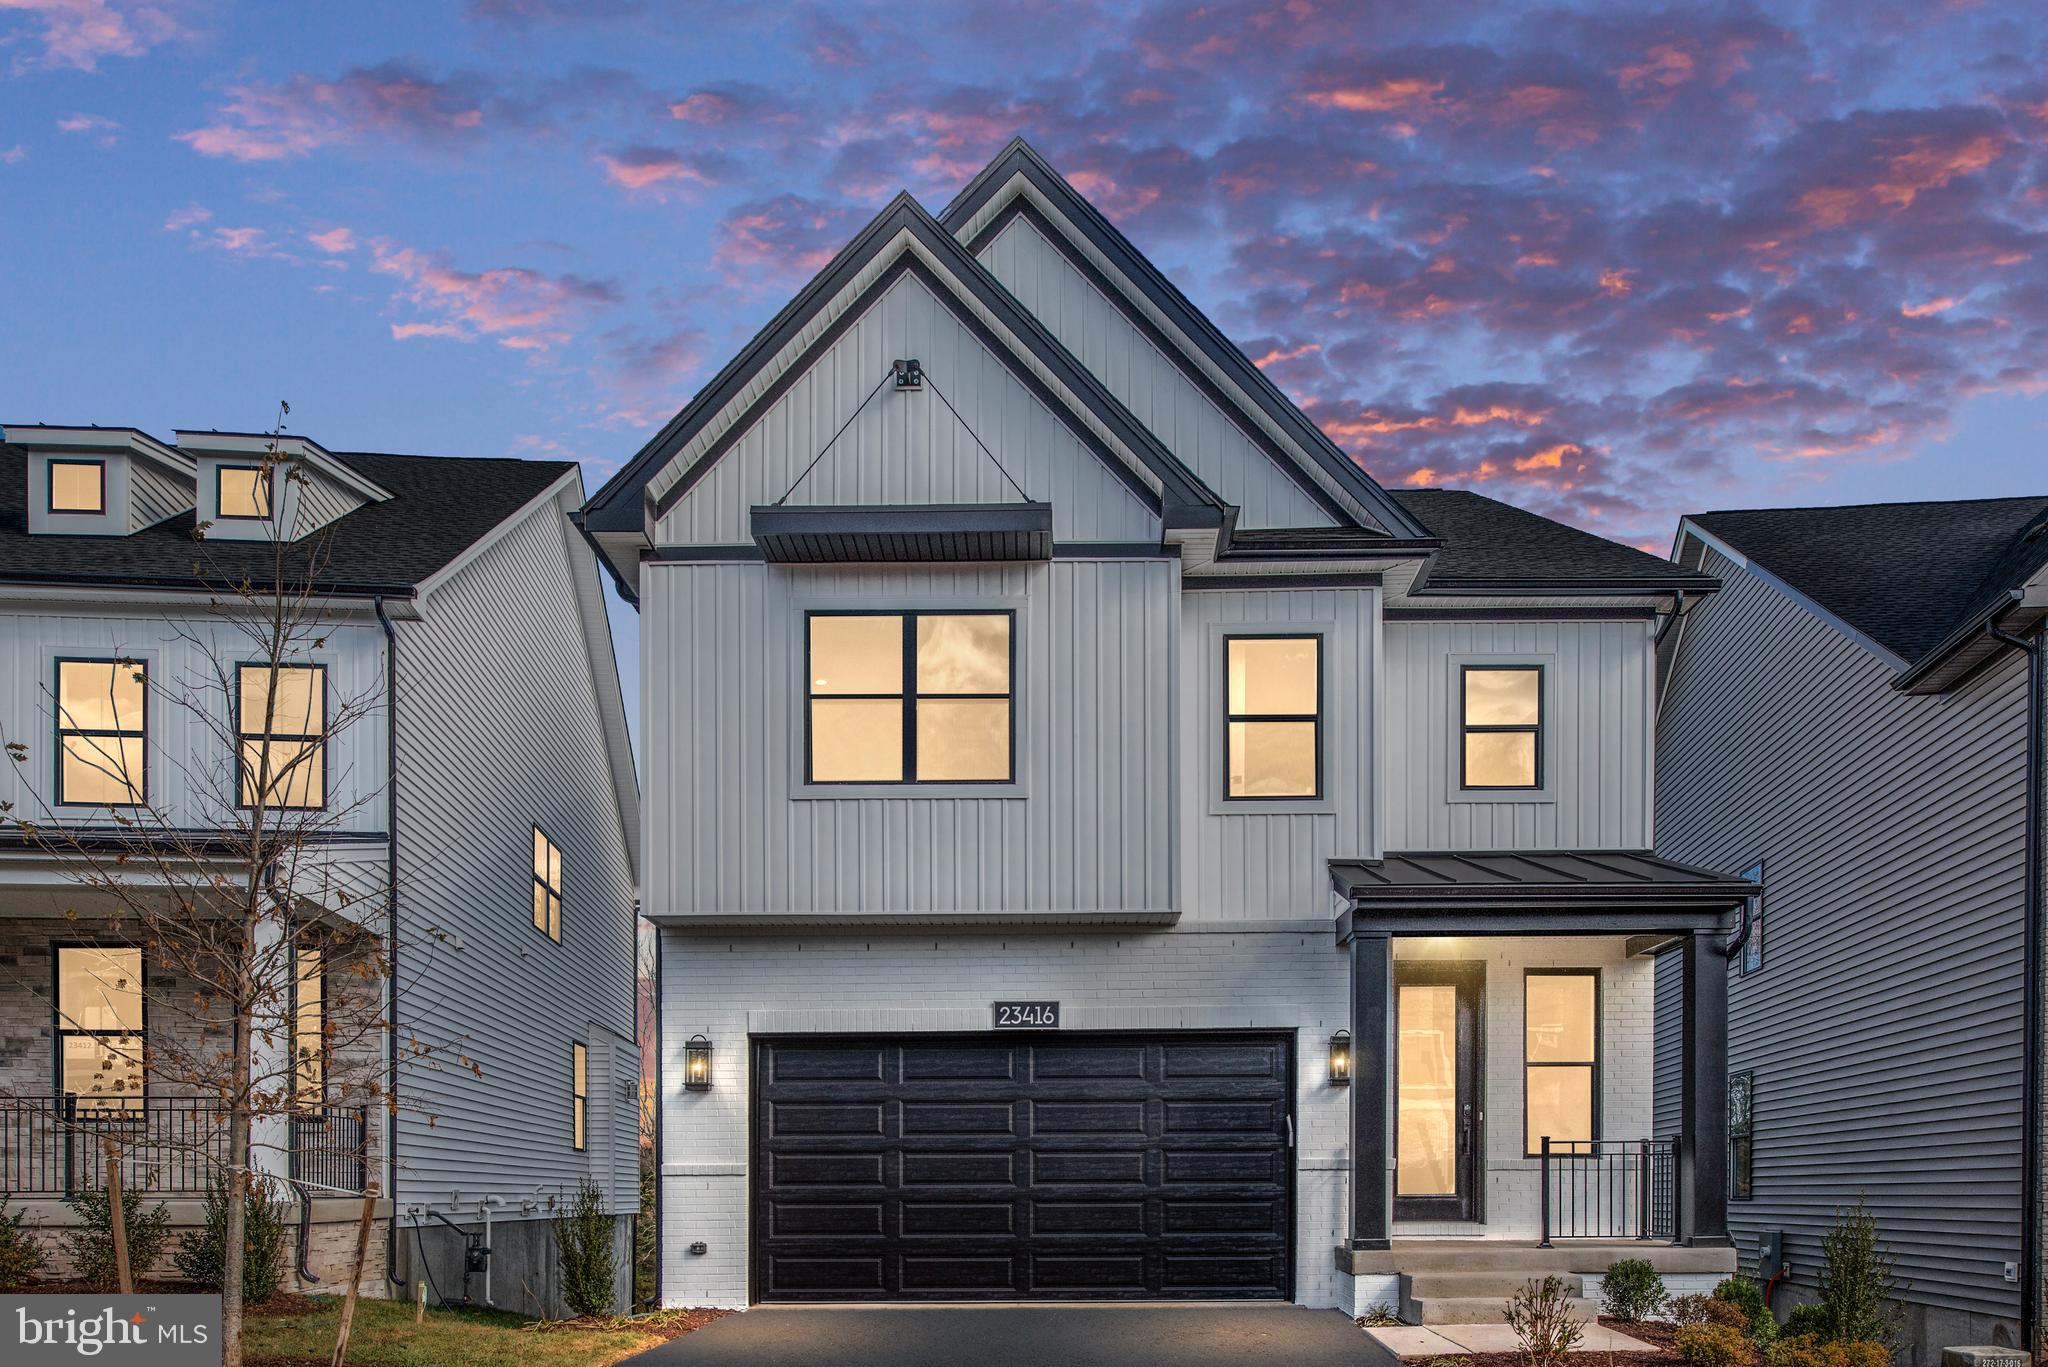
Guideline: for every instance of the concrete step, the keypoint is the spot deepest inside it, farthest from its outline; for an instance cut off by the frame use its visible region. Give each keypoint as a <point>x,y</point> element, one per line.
<point>1501,1255</point>
<point>1482,1285</point>
<point>1481,1255</point>
<point>1477,1309</point>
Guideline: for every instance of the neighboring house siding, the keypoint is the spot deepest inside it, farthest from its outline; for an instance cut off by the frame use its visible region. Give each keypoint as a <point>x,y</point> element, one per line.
<point>1155,388</point>
<point>1088,829</point>
<point>1884,1029</point>
<point>1670,1067</point>
<point>909,447</point>
<point>499,730</point>
<point>1597,759</point>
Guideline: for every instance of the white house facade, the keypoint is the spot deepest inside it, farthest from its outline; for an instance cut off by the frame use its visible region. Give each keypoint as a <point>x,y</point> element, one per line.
<point>1107,847</point>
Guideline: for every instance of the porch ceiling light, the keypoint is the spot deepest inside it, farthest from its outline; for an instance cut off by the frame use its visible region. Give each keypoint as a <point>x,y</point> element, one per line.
<point>697,1064</point>
<point>1340,1059</point>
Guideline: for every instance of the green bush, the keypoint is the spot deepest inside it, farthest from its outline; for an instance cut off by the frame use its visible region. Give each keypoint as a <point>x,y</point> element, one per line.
<point>264,1233</point>
<point>646,1254</point>
<point>21,1252</point>
<point>1807,1319</point>
<point>583,1244</point>
<point>91,1243</point>
<point>1541,1316</point>
<point>1714,1345</point>
<point>1697,1309</point>
<point>1858,1294</point>
<point>1810,1350</point>
<point>1632,1290</point>
<point>1746,1296</point>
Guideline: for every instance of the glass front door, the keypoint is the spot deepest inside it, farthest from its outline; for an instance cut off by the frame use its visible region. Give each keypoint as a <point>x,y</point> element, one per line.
<point>1436,1076</point>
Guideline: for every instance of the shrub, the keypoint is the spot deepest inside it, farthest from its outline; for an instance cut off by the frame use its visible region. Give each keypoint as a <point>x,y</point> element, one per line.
<point>1380,1317</point>
<point>1810,1350</point>
<point>1714,1345</point>
<point>1858,1294</point>
<point>1807,1319</point>
<point>646,1256</point>
<point>1747,1297</point>
<point>1541,1316</point>
<point>1632,1290</point>
<point>583,1244</point>
<point>21,1252</point>
<point>91,1244</point>
<point>264,1232</point>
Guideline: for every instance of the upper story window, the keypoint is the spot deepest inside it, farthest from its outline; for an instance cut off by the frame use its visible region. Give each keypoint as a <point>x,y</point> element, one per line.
<point>99,1023</point>
<point>241,492</point>
<point>1502,719</point>
<point>547,886</point>
<point>1273,716</point>
<point>1561,1058</point>
<point>78,486</point>
<point>309,1027</point>
<point>283,759</point>
<point>101,733</point>
<point>579,1096</point>
<point>1741,1136</point>
<point>910,697</point>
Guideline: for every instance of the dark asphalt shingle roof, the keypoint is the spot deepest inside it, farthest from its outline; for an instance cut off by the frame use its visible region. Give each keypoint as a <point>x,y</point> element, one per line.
<point>441,505</point>
<point>1487,541</point>
<point>1528,875</point>
<point>1907,575</point>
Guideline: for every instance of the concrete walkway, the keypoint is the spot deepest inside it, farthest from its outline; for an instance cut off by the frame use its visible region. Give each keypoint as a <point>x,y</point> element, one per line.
<point>1456,1340</point>
<point>1023,1336</point>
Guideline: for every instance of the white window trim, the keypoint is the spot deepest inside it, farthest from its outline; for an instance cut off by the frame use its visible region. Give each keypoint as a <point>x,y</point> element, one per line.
<point>1454,729</point>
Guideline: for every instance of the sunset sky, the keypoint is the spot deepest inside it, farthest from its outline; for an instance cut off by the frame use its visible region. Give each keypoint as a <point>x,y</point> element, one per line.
<point>1610,261</point>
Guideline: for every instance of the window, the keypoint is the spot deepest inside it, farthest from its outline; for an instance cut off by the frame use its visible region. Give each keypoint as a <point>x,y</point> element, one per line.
<point>910,697</point>
<point>78,486</point>
<point>1561,1058</point>
<point>1273,716</point>
<point>1753,946</point>
<point>579,1064</point>
<point>99,1026</point>
<point>101,733</point>
<point>284,761</point>
<point>241,492</point>
<point>1741,1156</point>
<point>547,886</point>
<point>309,1027</point>
<point>1502,717</point>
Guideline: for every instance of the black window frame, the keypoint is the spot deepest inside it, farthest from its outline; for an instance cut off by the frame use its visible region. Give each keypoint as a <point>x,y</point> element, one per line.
<point>1742,1142</point>
<point>1467,728</point>
<point>554,891</point>
<point>300,1101</point>
<point>1598,1061</point>
<point>1751,959</point>
<point>579,1096</point>
<point>50,486</point>
<point>59,1031</point>
<point>1315,719</point>
<point>266,480</point>
<point>909,698</point>
<point>60,730</point>
<point>242,735</point>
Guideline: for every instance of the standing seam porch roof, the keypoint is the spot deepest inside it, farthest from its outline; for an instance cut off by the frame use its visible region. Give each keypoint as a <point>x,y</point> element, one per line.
<point>1533,877</point>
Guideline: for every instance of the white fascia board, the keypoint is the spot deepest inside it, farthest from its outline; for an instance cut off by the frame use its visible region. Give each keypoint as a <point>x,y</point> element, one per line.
<point>132,440</point>
<point>305,449</point>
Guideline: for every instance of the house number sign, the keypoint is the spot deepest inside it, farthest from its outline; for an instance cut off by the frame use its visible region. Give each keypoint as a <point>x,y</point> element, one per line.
<point>1027,1015</point>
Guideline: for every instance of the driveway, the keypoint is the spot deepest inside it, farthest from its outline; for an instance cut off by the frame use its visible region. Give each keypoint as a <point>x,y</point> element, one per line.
<point>1022,1336</point>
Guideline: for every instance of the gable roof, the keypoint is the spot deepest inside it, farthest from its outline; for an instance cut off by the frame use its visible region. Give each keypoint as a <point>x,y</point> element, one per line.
<point>1913,578</point>
<point>1492,547</point>
<point>438,507</point>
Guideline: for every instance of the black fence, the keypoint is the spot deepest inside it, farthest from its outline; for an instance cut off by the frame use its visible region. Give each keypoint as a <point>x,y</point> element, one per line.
<point>165,1146</point>
<point>1609,1189</point>
<point>330,1149</point>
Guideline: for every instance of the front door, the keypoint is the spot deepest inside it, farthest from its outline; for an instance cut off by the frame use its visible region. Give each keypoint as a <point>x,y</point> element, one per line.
<point>1436,1090</point>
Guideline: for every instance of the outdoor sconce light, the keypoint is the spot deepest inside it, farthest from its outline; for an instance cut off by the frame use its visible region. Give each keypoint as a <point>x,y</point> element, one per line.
<point>1340,1059</point>
<point>697,1064</point>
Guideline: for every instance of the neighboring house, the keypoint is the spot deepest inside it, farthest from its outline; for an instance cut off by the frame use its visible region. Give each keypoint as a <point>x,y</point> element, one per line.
<point>488,769</point>
<point>1073,784</point>
<point>1848,720</point>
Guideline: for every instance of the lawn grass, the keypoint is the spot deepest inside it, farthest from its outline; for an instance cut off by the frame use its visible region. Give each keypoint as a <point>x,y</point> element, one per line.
<point>384,1335</point>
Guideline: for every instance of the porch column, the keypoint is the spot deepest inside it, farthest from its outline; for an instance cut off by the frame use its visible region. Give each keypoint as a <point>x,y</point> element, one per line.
<point>1703,1139</point>
<point>1372,977</point>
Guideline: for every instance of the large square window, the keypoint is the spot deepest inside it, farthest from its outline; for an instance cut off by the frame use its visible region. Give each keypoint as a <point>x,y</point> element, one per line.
<point>78,486</point>
<point>1561,1059</point>
<point>281,726</point>
<point>241,492</point>
<point>910,697</point>
<point>1502,720</point>
<point>1273,716</point>
<point>101,733</point>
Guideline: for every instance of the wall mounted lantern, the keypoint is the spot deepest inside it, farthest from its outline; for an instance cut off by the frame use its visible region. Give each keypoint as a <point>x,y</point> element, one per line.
<point>697,1064</point>
<point>1340,1059</point>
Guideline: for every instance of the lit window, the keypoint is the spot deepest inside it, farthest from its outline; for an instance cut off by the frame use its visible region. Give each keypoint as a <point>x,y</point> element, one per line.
<point>100,733</point>
<point>1272,722</point>
<point>241,491</point>
<point>78,486</point>
<point>1503,725</point>
<point>309,1027</point>
<point>1561,1058</point>
<point>921,694</point>
<point>1741,1150</point>
<point>547,885</point>
<point>283,735</point>
<point>99,1026</point>
<point>1753,947</point>
<point>579,1062</point>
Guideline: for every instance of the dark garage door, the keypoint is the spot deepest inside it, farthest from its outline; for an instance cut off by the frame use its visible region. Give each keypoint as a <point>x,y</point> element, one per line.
<point>1077,1167</point>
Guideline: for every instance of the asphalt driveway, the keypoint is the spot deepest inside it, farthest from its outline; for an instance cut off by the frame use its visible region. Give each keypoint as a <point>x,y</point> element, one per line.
<point>1021,1336</point>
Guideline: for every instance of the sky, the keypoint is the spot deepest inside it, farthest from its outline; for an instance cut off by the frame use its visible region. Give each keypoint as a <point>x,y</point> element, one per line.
<point>1613,262</point>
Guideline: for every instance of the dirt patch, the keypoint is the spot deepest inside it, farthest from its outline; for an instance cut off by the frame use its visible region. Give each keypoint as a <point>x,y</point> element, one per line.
<point>1661,1333</point>
<point>665,1324</point>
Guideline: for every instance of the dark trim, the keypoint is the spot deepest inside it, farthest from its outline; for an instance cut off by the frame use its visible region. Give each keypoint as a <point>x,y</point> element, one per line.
<point>200,584</point>
<point>1112,550</point>
<point>322,735</point>
<point>1468,729</point>
<point>579,1097</point>
<point>554,892</point>
<point>1703,1102</point>
<point>50,465</point>
<point>1562,919</point>
<point>1520,614</point>
<point>266,484</point>
<point>204,840</point>
<point>685,555</point>
<point>1264,582</point>
<point>2031,998</point>
<point>1468,1159</point>
<point>1597,1063</point>
<point>1433,586</point>
<point>391,938</point>
<point>58,1031</point>
<point>1751,931</point>
<point>1315,719</point>
<point>908,699</point>
<point>61,730</point>
<point>1372,959</point>
<point>903,533</point>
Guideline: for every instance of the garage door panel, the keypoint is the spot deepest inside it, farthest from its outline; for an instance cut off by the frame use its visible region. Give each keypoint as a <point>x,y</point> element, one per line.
<point>798,1064</point>
<point>961,1274</point>
<point>1108,1274</point>
<point>1224,1060</point>
<point>1244,1117</point>
<point>801,1275</point>
<point>824,1169</point>
<point>1125,1118</point>
<point>1053,1062</point>
<point>996,1063</point>
<point>958,1169</point>
<point>814,1118</point>
<point>848,1218</point>
<point>1088,1169</point>
<point>952,1218</point>
<point>1087,1217</point>
<point>945,1118</point>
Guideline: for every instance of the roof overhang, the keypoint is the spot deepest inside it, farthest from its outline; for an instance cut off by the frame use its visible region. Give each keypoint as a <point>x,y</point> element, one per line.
<point>1973,645</point>
<point>128,441</point>
<point>890,533</point>
<point>305,449</point>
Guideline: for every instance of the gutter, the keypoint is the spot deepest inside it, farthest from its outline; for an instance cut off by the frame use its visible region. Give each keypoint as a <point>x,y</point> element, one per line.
<point>1981,624</point>
<point>391,933</point>
<point>2036,652</point>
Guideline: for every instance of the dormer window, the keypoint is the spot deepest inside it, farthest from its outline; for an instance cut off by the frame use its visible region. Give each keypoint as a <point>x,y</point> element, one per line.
<point>241,492</point>
<point>78,486</point>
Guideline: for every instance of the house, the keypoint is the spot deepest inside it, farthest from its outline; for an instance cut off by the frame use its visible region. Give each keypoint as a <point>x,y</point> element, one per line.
<point>1104,845</point>
<point>1850,721</point>
<point>454,710</point>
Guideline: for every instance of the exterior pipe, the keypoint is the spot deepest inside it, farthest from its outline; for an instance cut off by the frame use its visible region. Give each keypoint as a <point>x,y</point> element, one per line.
<point>2030,1146</point>
<point>391,934</point>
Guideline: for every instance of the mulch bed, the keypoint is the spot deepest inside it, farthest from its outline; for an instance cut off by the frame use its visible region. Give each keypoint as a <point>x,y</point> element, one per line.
<point>666,1324</point>
<point>1663,1333</point>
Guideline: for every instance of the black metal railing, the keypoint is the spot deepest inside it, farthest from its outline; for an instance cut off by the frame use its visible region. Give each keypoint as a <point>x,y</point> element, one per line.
<point>329,1148</point>
<point>58,1147</point>
<point>1608,1189</point>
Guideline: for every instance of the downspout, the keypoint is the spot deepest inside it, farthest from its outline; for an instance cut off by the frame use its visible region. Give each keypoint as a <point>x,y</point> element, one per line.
<point>2030,1146</point>
<point>391,933</point>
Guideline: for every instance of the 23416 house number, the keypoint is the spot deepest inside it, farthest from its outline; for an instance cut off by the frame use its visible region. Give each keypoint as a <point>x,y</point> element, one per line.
<point>1027,1015</point>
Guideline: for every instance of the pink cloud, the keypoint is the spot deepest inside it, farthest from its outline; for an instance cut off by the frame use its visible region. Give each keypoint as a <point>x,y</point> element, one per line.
<point>13,156</point>
<point>656,170</point>
<point>78,33</point>
<point>104,131</point>
<point>335,241</point>
<point>189,216</point>
<point>520,308</point>
<point>303,114</point>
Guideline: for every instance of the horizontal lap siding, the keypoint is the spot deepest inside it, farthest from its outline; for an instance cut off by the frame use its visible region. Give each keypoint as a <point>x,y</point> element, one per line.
<point>1884,1030</point>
